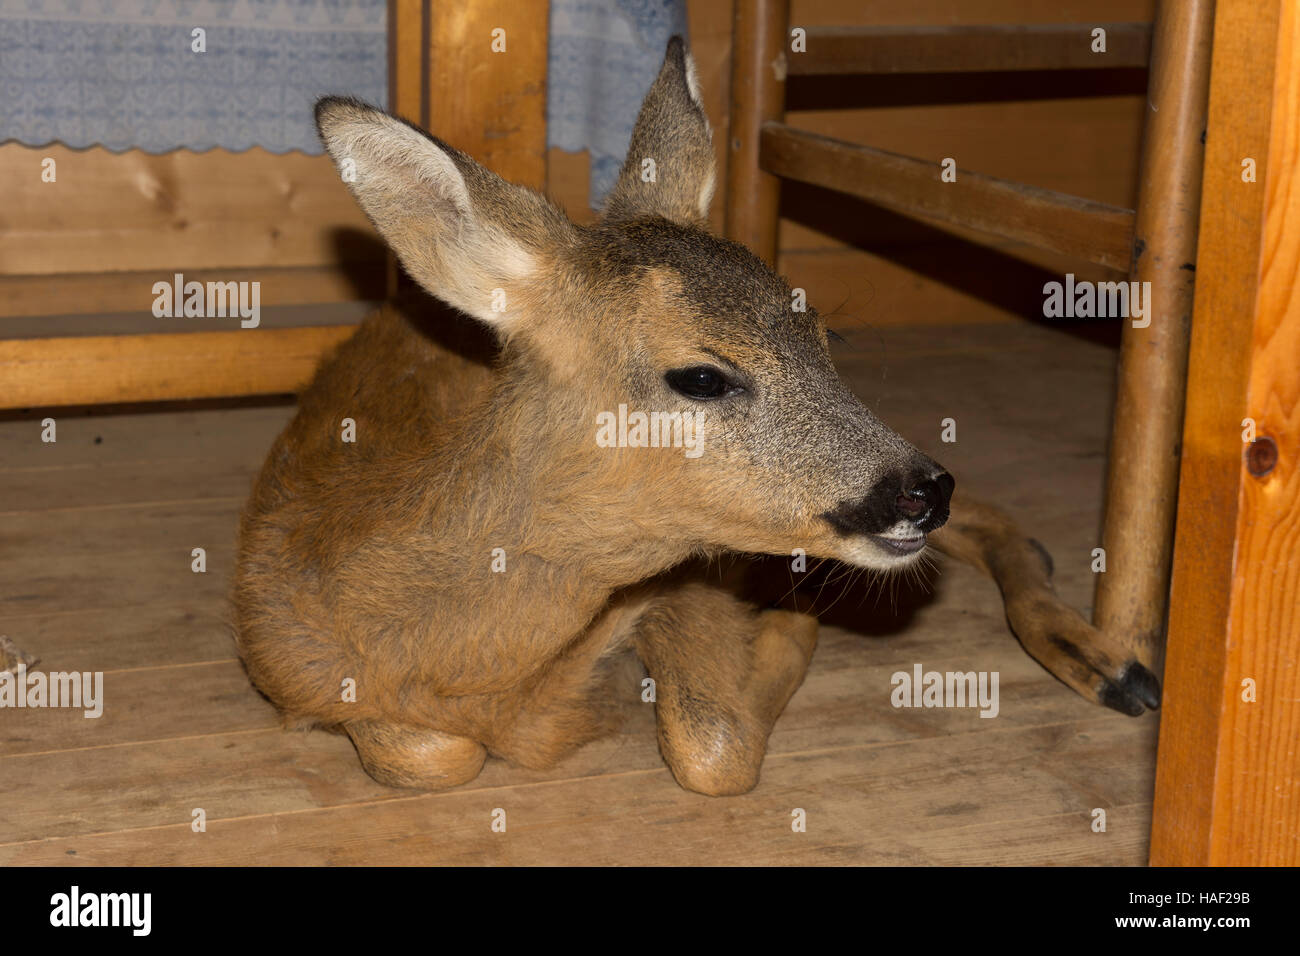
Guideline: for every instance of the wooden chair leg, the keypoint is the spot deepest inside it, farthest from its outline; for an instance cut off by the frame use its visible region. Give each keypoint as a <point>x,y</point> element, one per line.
<point>1142,481</point>
<point>757,96</point>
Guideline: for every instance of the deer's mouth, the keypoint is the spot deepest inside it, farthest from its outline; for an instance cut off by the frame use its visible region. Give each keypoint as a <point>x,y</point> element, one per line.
<point>881,552</point>
<point>900,546</point>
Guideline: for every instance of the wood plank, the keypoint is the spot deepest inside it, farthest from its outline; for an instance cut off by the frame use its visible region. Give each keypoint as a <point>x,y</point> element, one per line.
<point>1087,146</point>
<point>145,706</point>
<point>966,49</point>
<point>1229,253</point>
<point>1228,780</point>
<point>112,581</point>
<point>194,629</point>
<point>143,321</point>
<point>133,368</point>
<point>118,484</point>
<point>947,283</point>
<point>902,789</point>
<point>1257,792</point>
<point>67,293</point>
<point>492,105</point>
<point>66,533</point>
<point>92,438</point>
<point>1091,231</point>
<point>117,557</point>
<point>132,211</point>
<point>1069,835</point>
<point>846,701</point>
<point>965,12</point>
<point>386,836</point>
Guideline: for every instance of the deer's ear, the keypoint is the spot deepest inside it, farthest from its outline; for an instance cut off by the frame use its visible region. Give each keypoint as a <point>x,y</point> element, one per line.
<point>466,235</point>
<point>669,170</point>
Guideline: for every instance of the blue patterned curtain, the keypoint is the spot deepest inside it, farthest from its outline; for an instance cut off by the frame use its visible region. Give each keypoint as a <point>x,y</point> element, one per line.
<point>604,54</point>
<point>123,73</point>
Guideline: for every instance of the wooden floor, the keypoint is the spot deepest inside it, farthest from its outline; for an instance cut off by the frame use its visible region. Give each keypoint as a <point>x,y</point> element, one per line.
<point>96,533</point>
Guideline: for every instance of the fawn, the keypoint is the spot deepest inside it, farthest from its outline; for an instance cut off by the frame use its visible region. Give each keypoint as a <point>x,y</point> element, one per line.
<point>475,564</point>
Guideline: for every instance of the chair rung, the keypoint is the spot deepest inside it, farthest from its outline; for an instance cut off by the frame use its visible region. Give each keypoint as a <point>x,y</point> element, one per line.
<point>1058,222</point>
<point>970,49</point>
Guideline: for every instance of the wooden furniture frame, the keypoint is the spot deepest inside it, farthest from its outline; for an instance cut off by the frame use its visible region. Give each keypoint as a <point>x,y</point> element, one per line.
<point>442,71</point>
<point>1157,242</point>
<point>1228,765</point>
<point>1219,799</point>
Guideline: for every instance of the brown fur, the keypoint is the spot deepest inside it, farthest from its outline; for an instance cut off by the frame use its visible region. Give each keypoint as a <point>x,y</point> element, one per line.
<point>371,561</point>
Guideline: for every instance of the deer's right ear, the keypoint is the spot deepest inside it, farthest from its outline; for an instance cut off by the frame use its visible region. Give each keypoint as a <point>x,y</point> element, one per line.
<point>466,235</point>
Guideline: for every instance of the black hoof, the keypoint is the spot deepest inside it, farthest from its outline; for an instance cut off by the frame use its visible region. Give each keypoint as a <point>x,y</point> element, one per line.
<point>1116,697</point>
<point>1142,684</point>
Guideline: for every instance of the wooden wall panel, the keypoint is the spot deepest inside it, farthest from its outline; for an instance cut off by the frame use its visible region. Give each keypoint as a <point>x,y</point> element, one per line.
<point>491,104</point>
<point>26,299</point>
<point>132,211</point>
<point>113,224</point>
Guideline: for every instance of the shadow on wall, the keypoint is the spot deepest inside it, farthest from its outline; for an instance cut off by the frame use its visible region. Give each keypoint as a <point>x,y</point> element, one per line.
<point>362,258</point>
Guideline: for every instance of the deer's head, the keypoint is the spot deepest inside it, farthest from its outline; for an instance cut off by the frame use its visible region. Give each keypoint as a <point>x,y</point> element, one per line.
<point>646,312</point>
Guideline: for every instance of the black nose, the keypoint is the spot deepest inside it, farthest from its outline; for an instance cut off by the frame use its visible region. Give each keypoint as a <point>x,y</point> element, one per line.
<point>923,500</point>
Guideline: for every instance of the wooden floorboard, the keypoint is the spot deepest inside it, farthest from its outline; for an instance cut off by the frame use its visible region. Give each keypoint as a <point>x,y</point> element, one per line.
<point>116,484</point>
<point>109,436</point>
<point>870,804</point>
<point>118,581</point>
<point>202,717</point>
<point>195,629</point>
<point>95,539</point>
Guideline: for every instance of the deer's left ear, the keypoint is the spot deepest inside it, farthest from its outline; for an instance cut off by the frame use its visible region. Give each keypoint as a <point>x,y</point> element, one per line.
<point>669,170</point>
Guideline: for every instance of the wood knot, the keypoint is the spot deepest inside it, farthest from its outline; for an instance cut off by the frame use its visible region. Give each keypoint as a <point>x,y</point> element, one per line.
<point>1261,456</point>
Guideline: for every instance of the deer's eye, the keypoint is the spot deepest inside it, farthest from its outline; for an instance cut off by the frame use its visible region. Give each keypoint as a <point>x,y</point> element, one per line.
<point>701,382</point>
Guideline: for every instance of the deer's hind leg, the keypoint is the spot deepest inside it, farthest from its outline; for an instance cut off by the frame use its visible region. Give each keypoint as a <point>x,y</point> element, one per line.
<point>1104,668</point>
<point>567,703</point>
<point>723,672</point>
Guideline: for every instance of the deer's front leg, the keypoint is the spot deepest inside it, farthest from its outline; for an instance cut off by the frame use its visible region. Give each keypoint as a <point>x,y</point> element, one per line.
<point>1105,668</point>
<point>723,672</point>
